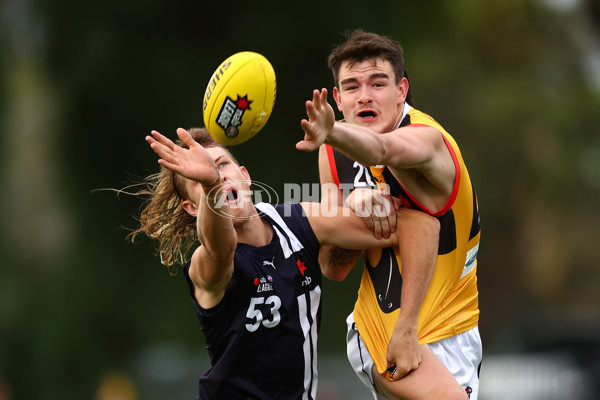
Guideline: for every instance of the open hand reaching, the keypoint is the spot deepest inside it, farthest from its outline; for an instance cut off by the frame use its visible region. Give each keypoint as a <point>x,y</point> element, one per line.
<point>193,163</point>
<point>321,119</point>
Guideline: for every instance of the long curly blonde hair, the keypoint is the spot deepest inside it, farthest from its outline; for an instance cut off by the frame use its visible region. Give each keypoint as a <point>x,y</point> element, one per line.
<point>162,217</point>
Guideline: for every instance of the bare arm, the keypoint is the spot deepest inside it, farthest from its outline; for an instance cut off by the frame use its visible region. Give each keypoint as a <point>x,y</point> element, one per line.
<point>418,239</point>
<point>406,148</point>
<point>418,234</point>
<point>335,262</point>
<point>212,262</point>
<point>341,227</point>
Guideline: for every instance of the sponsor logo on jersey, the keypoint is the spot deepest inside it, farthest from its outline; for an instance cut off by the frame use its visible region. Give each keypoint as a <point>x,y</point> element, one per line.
<point>269,262</point>
<point>263,284</point>
<point>469,390</point>
<point>302,268</point>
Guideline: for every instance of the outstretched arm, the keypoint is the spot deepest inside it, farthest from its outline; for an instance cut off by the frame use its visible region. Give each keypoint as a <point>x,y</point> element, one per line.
<point>418,148</point>
<point>212,262</point>
<point>407,147</point>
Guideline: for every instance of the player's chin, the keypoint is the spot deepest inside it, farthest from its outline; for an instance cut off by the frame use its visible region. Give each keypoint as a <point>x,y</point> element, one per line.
<point>241,210</point>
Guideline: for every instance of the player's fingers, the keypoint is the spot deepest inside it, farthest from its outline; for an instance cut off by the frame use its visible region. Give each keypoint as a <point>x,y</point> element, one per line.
<point>377,231</point>
<point>369,223</point>
<point>311,110</point>
<point>391,370</point>
<point>381,213</point>
<point>185,136</point>
<point>317,98</point>
<point>303,145</point>
<point>323,97</point>
<point>385,227</point>
<point>168,165</point>
<point>396,202</point>
<point>306,144</point>
<point>163,140</point>
<point>401,371</point>
<point>391,214</point>
<point>163,152</point>
<point>392,221</point>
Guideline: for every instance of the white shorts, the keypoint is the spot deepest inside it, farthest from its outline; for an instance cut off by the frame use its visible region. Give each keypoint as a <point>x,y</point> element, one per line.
<point>461,354</point>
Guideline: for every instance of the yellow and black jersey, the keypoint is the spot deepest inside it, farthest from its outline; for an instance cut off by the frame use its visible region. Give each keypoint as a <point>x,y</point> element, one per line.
<point>451,303</point>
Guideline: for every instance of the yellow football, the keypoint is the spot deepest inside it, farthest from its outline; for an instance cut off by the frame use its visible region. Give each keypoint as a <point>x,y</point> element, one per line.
<point>239,98</point>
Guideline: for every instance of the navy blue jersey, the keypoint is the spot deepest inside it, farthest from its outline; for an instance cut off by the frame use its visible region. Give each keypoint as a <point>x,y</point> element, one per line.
<point>262,336</point>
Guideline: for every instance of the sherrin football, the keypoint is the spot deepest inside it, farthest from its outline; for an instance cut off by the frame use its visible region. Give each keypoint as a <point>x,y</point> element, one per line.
<point>239,98</point>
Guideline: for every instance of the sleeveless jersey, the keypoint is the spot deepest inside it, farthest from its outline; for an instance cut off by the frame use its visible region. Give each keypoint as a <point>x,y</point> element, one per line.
<point>262,336</point>
<point>451,303</point>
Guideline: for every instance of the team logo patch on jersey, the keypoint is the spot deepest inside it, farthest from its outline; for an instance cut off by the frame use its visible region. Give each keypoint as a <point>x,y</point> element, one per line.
<point>387,280</point>
<point>263,284</point>
<point>231,113</point>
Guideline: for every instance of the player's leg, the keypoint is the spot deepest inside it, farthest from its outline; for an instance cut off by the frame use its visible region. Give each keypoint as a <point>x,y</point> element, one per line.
<point>430,381</point>
<point>462,355</point>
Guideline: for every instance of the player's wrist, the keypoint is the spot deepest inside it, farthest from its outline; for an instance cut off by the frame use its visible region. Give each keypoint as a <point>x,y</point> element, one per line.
<point>211,185</point>
<point>213,191</point>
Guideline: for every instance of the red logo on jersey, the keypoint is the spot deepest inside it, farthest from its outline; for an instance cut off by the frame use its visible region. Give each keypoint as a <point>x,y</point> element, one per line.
<point>301,266</point>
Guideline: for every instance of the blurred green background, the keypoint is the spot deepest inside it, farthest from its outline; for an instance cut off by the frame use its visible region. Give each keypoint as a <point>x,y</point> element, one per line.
<point>86,315</point>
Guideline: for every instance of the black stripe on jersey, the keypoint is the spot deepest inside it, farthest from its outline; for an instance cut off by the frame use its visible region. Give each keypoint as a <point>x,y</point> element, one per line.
<point>476,223</point>
<point>447,242</point>
<point>405,121</point>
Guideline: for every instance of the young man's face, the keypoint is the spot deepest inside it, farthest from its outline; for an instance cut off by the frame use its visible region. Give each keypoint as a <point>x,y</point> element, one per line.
<point>369,96</point>
<point>234,192</point>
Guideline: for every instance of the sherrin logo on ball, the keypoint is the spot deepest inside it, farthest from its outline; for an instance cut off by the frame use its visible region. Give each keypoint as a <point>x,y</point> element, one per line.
<point>239,98</point>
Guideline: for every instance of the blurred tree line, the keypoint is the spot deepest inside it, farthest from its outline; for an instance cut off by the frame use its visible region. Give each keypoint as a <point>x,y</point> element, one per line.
<point>516,82</point>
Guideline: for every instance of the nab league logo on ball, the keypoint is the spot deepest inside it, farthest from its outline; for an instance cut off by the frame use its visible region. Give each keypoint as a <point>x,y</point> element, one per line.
<point>230,116</point>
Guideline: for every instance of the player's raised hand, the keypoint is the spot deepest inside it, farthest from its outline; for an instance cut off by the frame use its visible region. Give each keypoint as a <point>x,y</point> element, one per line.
<point>321,119</point>
<point>193,163</point>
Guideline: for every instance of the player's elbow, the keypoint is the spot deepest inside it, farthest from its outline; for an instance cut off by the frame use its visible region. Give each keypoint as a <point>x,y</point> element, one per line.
<point>432,225</point>
<point>335,274</point>
<point>418,220</point>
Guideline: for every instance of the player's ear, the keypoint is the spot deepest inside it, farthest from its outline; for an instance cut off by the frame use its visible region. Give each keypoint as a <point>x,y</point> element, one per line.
<point>337,98</point>
<point>402,90</point>
<point>190,207</point>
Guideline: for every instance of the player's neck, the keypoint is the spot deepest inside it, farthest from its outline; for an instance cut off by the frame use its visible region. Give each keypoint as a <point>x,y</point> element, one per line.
<point>255,231</point>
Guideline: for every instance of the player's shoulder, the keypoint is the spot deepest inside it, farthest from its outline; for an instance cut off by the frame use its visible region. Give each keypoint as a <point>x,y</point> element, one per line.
<point>416,118</point>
